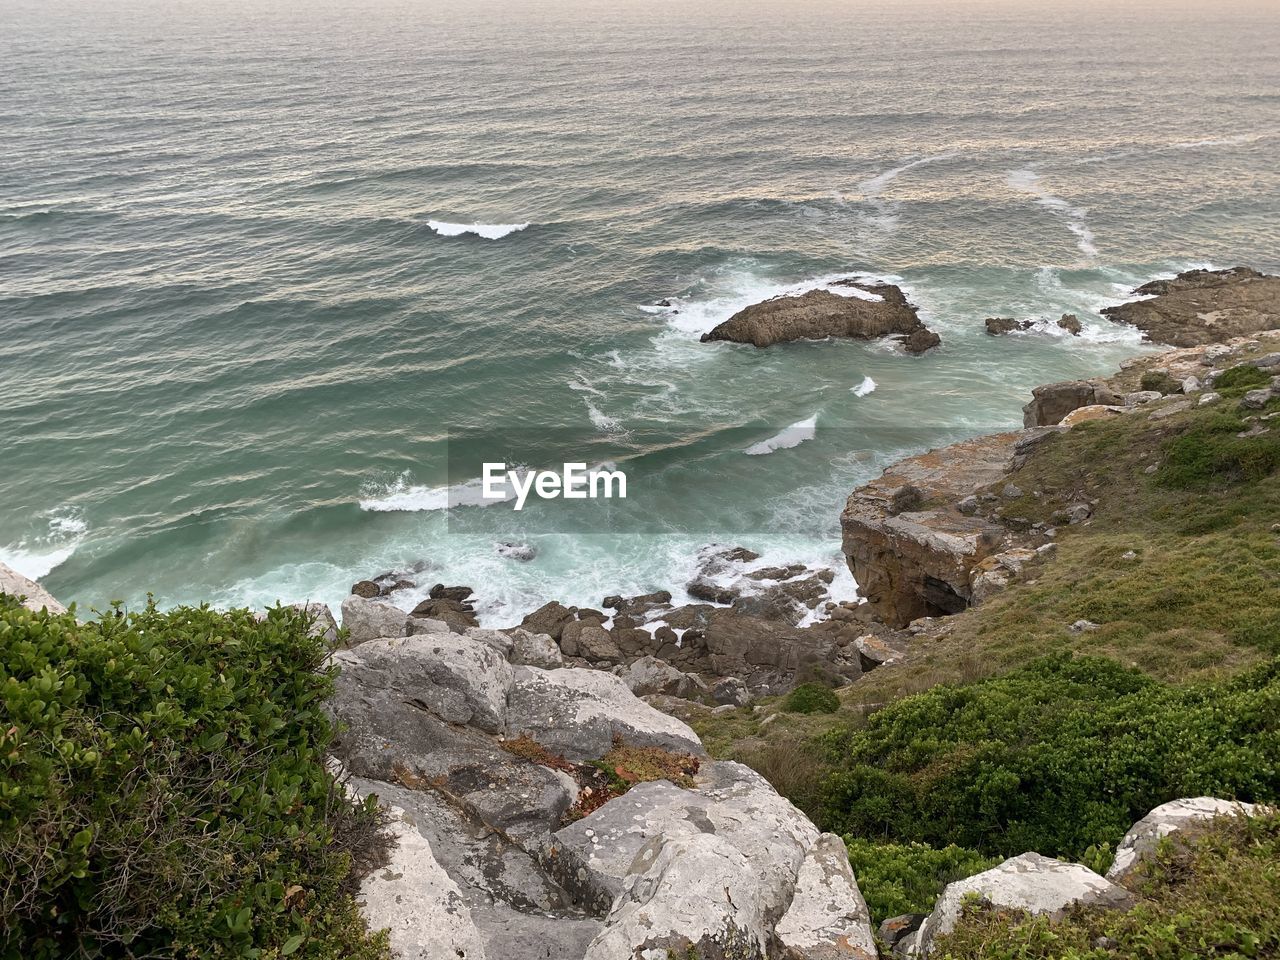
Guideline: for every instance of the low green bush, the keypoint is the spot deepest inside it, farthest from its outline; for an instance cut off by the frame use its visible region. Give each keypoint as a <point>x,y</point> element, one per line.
<point>1215,894</point>
<point>1058,757</point>
<point>898,878</point>
<point>1241,378</point>
<point>1160,381</point>
<point>811,698</point>
<point>1211,454</point>
<point>163,790</point>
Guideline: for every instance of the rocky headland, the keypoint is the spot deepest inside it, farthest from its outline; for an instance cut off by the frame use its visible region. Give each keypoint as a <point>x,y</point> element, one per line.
<point>547,798</point>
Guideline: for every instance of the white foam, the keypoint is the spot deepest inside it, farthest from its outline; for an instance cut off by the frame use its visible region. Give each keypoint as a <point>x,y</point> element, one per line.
<point>601,421</point>
<point>403,495</point>
<point>865,387</point>
<point>792,436</point>
<point>580,384</point>
<point>489,231</point>
<point>38,556</point>
<point>1028,181</point>
<point>875,186</point>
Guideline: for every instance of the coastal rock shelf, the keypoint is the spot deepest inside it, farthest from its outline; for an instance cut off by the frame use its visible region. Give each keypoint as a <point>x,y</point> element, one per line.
<point>1203,306</point>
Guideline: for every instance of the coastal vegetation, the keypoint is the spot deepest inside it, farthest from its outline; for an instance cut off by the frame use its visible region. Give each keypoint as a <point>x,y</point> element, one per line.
<point>164,790</point>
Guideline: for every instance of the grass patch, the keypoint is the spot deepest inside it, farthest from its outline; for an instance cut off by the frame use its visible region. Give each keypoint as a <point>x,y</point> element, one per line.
<point>1211,893</point>
<point>163,790</point>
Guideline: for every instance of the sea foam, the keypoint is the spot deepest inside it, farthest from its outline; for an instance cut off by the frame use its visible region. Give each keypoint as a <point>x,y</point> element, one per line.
<point>865,387</point>
<point>792,436</point>
<point>1028,181</point>
<point>489,231</point>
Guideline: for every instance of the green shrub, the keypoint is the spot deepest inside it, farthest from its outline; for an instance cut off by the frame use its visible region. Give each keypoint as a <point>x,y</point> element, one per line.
<point>898,878</point>
<point>1060,756</point>
<point>1240,379</point>
<point>163,790</point>
<point>811,698</point>
<point>1211,454</point>
<point>1160,381</point>
<point>1211,895</point>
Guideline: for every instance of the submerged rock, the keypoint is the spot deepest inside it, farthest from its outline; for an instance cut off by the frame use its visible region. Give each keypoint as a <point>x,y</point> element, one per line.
<point>819,314</point>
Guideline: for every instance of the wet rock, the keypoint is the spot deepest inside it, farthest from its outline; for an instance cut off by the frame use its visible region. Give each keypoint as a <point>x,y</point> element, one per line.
<point>524,552</point>
<point>550,618</point>
<point>457,614</point>
<point>1203,306</point>
<point>366,589</point>
<point>819,314</point>
<point>998,326</point>
<point>920,341</point>
<point>1071,323</point>
<point>590,641</point>
<point>709,591</point>
<point>639,605</point>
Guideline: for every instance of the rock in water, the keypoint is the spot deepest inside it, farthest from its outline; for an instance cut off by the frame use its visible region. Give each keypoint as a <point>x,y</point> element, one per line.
<point>819,314</point>
<point>1071,323</point>
<point>997,326</point>
<point>1203,306</point>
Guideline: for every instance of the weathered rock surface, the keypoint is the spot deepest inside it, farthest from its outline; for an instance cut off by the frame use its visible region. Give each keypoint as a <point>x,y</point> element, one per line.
<point>37,597</point>
<point>366,619</point>
<point>819,314</point>
<point>1030,882</point>
<point>1053,401</point>
<point>827,919</point>
<point>1143,837</point>
<point>1203,306</point>
<point>910,547</point>
<point>998,326</point>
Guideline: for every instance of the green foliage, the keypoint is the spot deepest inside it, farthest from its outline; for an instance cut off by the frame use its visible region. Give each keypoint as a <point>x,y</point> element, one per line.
<point>898,878</point>
<point>1215,895</point>
<point>1160,381</point>
<point>811,698</point>
<point>1240,379</point>
<point>1060,756</point>
<point>163,790</point>
<point>1210,454</point>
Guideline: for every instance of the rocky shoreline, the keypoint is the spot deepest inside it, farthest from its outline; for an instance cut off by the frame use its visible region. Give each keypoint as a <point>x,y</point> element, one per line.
<point>549,803</point>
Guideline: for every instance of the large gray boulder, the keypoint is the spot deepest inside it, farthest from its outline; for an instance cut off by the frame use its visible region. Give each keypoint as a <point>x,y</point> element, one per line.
<point>579,713</point>
<point>648,676</point>
<point>37,597</point>
<point>827,919</point>
<point>535,650</point>
<point>366,619</point>
<point>1145,835</point>
<point>1030,882</point>
<point>729,800</point>
<point>458,679</point>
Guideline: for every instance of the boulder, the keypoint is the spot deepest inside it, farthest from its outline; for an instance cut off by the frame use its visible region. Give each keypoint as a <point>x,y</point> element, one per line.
<point>705,589</point>
<point>459,680</point>
<point>1145,835</point>
<point>590,641</point>
<point>1053,401</point>
<point>997,326</point>
<point>827,919</point>
<point>1203,306</point>
<point>418,902</point>
<point>366,589</point>
<point>550,618</point>
<point>650,676</point>
<point>579,713</point>
<point>1071,323</point>
<point>366,620</point>
<point>730,691</point>
<point>36,597</point>
<point>456,613</point>
<point>323,624</point>
<point>920,341</point>
<point>524,552</point>
<point>535,650</point>
<point>819,314</point>
<point>874,651</point>
<point>1030,882</point>
<point>639,605</point>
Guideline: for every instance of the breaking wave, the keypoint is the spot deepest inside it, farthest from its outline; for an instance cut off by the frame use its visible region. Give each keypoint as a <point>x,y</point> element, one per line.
<point>792,436</point>
<point>489,231</point>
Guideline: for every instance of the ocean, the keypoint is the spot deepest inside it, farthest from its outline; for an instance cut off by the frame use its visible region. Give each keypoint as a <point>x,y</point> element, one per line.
<point>275,275</point>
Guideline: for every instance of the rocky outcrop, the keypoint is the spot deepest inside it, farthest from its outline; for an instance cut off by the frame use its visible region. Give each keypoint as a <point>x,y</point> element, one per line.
<point>35,596</point>
<point>909,537</point>
<point>481,761</point>
<point>1053,401</point>
<point>1030,882</point>
<point>998,326</point>
<point>1168,818</point>
<point>1203,306</point>
<point>820,314</point>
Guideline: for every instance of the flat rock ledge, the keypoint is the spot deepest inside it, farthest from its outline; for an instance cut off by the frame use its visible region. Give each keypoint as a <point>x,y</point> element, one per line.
<point>474,755</point>
<point>1203,306</point>
<point>881,310</point>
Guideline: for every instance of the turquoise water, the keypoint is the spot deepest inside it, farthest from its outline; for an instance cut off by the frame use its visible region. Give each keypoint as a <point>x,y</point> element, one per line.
<point>240,340</point>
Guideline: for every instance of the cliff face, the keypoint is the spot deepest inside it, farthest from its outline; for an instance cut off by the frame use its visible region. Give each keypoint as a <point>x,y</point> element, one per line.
<point>913,538</point>
<point>15,584</point>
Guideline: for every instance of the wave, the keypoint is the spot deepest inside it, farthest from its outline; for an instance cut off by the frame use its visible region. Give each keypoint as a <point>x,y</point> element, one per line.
<point>865,387</point>
<point>38,556</point>
<point>600,420</point>
<point>580,384</point>
<point>792,436</point>
<point>403,495</point>
<point>875,186</point>
<point>489,231</point>
<point>1028,181</point>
